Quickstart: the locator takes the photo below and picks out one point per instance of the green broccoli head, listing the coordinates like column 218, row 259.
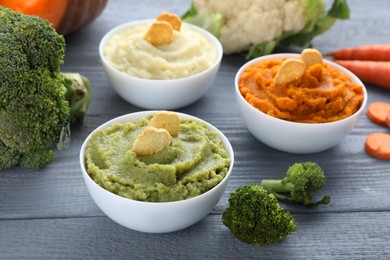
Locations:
column 37, row 159
column 302, row 179
column 305, row 178
column 34, row 108
column 8, row 157
column 254, row 216
column 41, row 46
column 33, row 119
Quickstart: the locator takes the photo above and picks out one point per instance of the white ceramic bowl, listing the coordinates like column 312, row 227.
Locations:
column 290, row 136
column 160, row 94
column 155, row 217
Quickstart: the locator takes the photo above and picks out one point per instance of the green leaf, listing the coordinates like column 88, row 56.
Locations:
column 313, row 10
column 339, row 10
column 209, row 21
column 261, row 49
column 191, row 12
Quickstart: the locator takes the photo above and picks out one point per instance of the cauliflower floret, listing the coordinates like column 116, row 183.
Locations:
column 254, row 21
column 236, row 37
column 294, row 12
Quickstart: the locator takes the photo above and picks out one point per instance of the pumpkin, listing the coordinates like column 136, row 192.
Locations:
column 65, row 16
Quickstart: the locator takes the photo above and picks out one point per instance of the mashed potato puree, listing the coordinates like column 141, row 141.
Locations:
column 194, row 163
column 190, row 53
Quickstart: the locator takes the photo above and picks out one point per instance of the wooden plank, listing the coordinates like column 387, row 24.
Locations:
column 49, row 214
column 318, row 236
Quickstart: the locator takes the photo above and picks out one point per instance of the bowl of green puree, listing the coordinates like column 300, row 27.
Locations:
column 163, row 192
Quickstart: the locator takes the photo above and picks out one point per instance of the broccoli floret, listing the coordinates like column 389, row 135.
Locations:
column 8, row 157
column 37, row 159
column 302, row 179
column 37, row 101
column 254, row 216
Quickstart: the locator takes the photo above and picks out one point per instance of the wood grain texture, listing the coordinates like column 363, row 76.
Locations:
column 99, row 237
column 48, row 214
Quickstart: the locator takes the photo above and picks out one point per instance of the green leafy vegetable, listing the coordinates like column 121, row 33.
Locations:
column 339, row 10
column 212, row 22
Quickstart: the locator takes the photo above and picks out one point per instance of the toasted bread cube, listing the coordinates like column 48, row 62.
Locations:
column 152, row 140
column 167, row 120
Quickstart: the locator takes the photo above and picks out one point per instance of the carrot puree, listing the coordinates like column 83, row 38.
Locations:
column 322, row 94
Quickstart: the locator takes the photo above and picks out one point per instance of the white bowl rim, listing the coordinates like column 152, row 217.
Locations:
column 217, row 44
column 354, row 78
column 229, row 150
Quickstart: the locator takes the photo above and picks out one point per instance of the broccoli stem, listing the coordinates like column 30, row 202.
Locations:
column 77, row 93
column 276, row 186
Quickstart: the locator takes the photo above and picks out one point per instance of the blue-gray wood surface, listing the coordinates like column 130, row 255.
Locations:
column 48, row 214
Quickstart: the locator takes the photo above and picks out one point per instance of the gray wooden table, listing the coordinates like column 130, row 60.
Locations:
column 49, row 214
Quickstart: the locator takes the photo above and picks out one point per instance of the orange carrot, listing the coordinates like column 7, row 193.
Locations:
column 373, row 72
column 378, row 145
column 373, row 52
column 51, row 10
column 378, row 111
column 388, row 118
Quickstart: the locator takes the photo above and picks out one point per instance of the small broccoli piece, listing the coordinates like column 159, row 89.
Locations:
column 302, row 179
column 254, row 216
column 37, row 101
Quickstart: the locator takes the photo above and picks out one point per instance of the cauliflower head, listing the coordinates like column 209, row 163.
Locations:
column 258, row 26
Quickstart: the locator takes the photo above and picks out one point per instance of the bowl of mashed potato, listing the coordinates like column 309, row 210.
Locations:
column 164, row 76
column 166, row 190
column 313, row 111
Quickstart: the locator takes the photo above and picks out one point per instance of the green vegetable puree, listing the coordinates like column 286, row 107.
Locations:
column 195, row 162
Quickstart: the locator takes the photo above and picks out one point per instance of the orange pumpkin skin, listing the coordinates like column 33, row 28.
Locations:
column 65, row 16
column 53, row 11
